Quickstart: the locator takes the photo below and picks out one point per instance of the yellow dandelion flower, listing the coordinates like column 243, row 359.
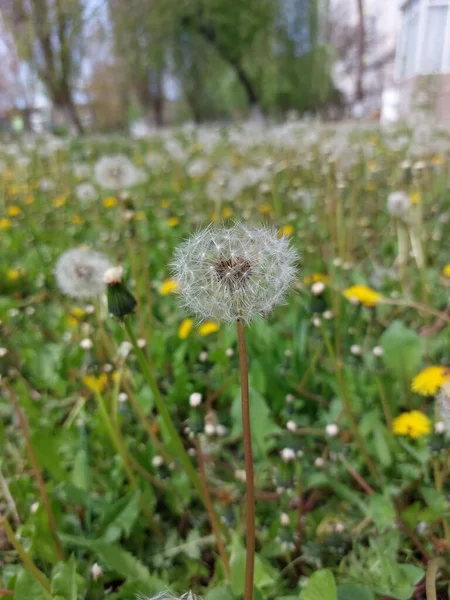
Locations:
column 109, row 202
column 13, row 274
column 227, row 213
column 208, row 327
column 138, row 159
column 29, row 199
column 165, row 203
column 116, row 376
column 286, row 230
column 14, row 210
column 5, row 223
column 265, row 209
column 430, row 380
column 214, row 217
column 315, row 277
column 168, row 286
column 415, row 198
column 77, row 220
column 96, row 384
column 185, row 328
column 437, row 159
column 173, row 221
column 13, row 189
column 72, row 322
column 139, row 215
column 363, row 295
column 59, row 201
column 415, row 424
column 77, row 312
column 446, row 270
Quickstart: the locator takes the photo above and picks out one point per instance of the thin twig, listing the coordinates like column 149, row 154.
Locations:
column 432, row 569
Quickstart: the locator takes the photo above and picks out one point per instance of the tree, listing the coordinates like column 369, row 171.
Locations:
column 48, row 36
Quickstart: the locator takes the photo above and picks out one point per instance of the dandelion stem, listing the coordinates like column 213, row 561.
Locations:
column 211, row 511
column 164, row 412
column 432, row 569
column 32, row 457
column 24, row 556
column 247, row 435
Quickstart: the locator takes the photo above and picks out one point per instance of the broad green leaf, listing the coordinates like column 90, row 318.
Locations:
column 403, row 350
column 113, row 557
column 27, row 588
column 80, row 472
column 320, row 586
column 64, row 580
column 435, row 500
column 382, row 511
column 121, row 517
column 220, row 593
column 354, row 592
column 263, row 573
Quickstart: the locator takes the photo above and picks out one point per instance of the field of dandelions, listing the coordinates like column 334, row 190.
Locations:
column 122, row 469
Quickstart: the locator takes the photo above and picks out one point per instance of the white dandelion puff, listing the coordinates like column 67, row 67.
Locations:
column 79, row 273
column 398, row 204
column 443, row 406
column 236, row 273
column 117, row 172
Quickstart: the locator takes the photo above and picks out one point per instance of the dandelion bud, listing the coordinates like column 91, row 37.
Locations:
column 96, row 572
column 157, row 461
column 287, row 455
column 195, row 399
column 291, row 426
column 120, row 301
column 332, row 430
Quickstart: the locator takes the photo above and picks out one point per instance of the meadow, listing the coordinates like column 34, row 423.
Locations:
column 122, row 467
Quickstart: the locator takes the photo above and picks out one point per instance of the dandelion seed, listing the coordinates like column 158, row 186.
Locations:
column 236, row 273
column 79, row 273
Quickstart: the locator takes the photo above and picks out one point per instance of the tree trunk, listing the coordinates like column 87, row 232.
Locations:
column 65, row 109
column 359, row 95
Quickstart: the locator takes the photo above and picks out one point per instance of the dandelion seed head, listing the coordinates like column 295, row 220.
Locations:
column 241, row 272
column 79, row 273
column 398, row 204
column 443, row 405
column 117, row 172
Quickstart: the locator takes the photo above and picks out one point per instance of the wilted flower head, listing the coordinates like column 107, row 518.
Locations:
column 236, row 273
column 79, row 273
column 398, row 204
column 117, row 172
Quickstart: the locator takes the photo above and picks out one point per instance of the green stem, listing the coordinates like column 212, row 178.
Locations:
column 24, row 557
column 164, row 412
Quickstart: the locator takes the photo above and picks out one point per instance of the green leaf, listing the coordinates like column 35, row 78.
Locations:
column 264, row 576
column 262, row 424
column 435, row 500
column 116, row 559
column 403, row 350
column 27, row 588
column 80, row 472
column 64, row 580
column 382, row 511
column 321, row 586
column 221, row 593
column 121, row 517
column 354, row 592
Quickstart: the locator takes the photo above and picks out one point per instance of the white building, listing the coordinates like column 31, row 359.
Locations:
column 423, row 56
